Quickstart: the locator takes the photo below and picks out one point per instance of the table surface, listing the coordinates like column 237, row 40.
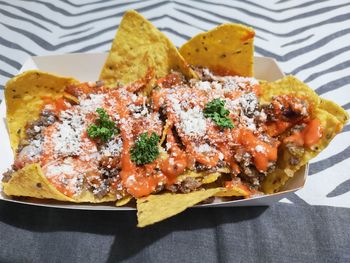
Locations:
column 309, row 39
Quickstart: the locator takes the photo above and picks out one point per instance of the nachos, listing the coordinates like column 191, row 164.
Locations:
column 167, row 128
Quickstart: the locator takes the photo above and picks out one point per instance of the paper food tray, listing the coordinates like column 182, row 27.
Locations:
column 86, row 67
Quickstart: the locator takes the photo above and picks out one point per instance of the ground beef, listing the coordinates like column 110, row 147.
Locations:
column 186, row 186
column 33, row 129
column 248, row 171
column 242, row 157
column 291, row 109
column 110, row 162
column 6, row 176
column 295, row 150
column 250, row 174
column 209, row 200
column 104, row 187
column 172, row 188
column 47, row 117
column 159, row 188
column 201, row 167
column 294, row 160
column 109, row 168
column 269, row 111
column 250, row 105
column 101, row 192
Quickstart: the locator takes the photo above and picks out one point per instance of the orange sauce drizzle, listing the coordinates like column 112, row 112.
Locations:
column 143, row 180
column 261, row 158
column 176, row 163
column 309, row 136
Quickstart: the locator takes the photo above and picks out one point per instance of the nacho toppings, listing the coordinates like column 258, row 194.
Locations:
column 120, row 142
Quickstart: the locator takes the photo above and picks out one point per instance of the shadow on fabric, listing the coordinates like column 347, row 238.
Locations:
column 121, row 224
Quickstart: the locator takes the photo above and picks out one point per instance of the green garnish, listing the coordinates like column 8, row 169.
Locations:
column 217, row 112
column 145, row 149
column 104, row 128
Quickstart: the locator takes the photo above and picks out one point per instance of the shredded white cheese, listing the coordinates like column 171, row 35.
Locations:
column 112, row 147
column 68, row 135
column 193, row 122
column 203, row 85
column 259, row 149
column 204, row 148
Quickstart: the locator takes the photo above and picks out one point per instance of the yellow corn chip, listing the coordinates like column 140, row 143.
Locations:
column 234, row 191
column 226, row 50
column 23, row 96
column 335, row 110
column 155, row 208
column 210, row 178
column 275, row 180
column 125, row 200
column 288, row 85
column 30, row 181
column 138, row 46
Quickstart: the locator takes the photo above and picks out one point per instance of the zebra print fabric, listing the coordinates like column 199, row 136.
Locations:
column 309, row 39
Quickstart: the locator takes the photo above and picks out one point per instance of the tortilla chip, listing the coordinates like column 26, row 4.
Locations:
column 226, row 50
column 155, row 208
column 125, row 200
column 330, row 127
column 138, row 46
column 331, row 116
column 202, row 177
column 23, row 96
column 88, row 197
column 30, row 181
column 189, row 173
column 210, row 178
column 335, row 110
column 288, row 85
column 276, row 179
column 236, row 190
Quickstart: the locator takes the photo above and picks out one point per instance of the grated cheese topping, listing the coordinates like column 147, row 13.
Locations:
column 204, row 148
column 193, row 122
column 76, row 161
column 113, row 147
column 68, row 135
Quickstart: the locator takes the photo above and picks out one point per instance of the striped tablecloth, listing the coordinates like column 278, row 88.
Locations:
column 310, row 39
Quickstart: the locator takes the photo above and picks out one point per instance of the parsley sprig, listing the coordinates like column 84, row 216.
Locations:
column 145, row 149
column 103, row 128
column 217, row 112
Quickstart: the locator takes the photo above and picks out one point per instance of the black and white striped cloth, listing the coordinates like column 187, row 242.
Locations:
column 310, row 39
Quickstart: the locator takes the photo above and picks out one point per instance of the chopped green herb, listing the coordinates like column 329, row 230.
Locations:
column 217, row 112
column 103, row 128
column 145, row 149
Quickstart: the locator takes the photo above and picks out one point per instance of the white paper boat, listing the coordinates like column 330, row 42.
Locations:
column 86, row 67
